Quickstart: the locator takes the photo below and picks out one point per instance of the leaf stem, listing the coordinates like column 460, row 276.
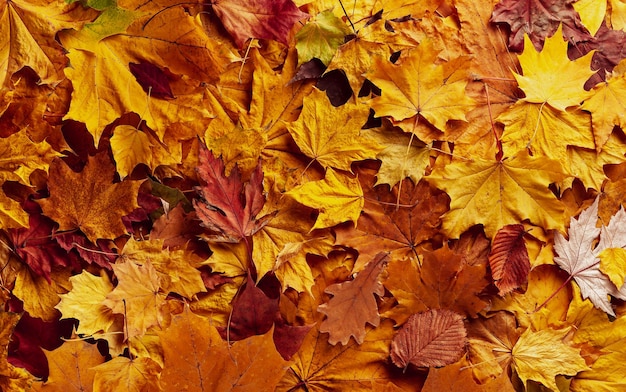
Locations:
column 346, row 14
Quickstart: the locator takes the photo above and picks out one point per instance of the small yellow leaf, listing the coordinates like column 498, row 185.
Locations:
column 613, row 265
column 338, row 198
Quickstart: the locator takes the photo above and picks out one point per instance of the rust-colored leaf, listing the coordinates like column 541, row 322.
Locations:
column 433, row 338
column 509, row 258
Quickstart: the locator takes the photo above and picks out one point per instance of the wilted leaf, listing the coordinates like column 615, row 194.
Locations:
column 431, row 339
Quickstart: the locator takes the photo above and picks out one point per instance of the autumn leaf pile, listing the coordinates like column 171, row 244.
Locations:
column 317, row 195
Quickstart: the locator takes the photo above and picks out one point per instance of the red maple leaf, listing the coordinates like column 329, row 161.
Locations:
column 227, row 206
column 539, row 19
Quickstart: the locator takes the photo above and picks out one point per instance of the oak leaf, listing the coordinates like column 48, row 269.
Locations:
column 138, row 297
column 126, row 375
column 508, row 258
column 542, row 355
column 258, row 19
column 434, row 338
column 338, row 197
column 353, row 304
column 197, row 359
column 331, row 135
column 550, row 77
column 539, row 19
column 227, row 206
column 518, row 185
column 416, row 86
column 95, row 210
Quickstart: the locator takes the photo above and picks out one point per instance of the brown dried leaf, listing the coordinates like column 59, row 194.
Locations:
column 433, row 338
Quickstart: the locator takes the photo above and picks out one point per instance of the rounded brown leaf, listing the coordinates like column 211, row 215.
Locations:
column 433, row 338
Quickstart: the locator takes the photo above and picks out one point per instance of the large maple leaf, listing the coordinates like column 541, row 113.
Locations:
column 197, row 359
column 517, row 186
column 418, row 86
column 549, row 76
column 539, row 19
column 263, row 19
column 331, row 135
column 97, row 209
column 383, row 227
column 227, row 206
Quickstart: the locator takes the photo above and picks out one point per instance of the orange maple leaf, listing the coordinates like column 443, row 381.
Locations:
column 97, row 209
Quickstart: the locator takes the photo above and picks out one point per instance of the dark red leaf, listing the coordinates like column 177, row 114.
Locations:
column 227, row 206
column 509, row 258
column 253, row 313
column 99, row 253
column 289, row 338
column 152, row 80
column 36, row 247
column 539, row 19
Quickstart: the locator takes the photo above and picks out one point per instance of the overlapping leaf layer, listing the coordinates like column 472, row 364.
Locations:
column 318, row 195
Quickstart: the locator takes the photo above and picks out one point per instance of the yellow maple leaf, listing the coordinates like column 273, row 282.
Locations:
column 84, row 303
column 338, row 198
column 418, row 86
column 127, row 375
column 550, row 77
column 138, row 297
column 95, row 59
column 607, row 373
column 495, row 194
column 198, row 359
column 606, row 105
column 39, row 295
column 544, row 130
column 131, row 147
column 28, row 38
column 542, row 355
column 176, row 274
column 20, row 158
column 331, row 135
